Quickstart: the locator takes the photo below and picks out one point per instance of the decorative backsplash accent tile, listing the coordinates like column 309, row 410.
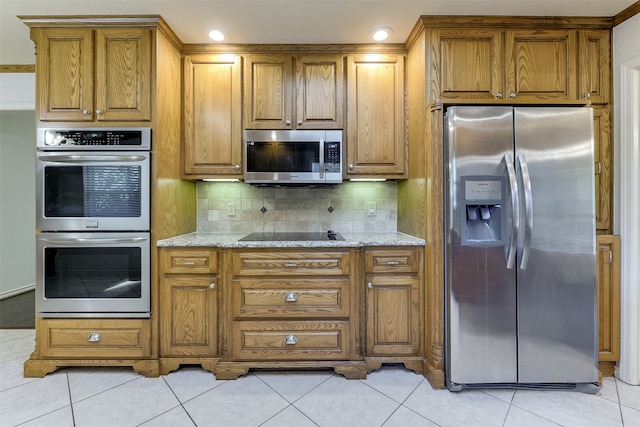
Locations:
column 343, row 208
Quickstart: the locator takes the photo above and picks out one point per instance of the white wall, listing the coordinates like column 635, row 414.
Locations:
column 626, row 67
column 17, row 203
column 17, row 182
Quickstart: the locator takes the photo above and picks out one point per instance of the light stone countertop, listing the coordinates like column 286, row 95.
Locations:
column 230, row 240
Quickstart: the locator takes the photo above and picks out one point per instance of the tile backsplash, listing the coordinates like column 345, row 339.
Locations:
column 240, row 207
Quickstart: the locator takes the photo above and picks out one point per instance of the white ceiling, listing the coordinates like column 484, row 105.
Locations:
column 281, row 21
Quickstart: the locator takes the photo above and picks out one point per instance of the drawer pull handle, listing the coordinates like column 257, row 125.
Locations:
column 94, row 337
column 290, row 264
column 393, row 262
column 291, row 297
column 188, row 263
column 291, row 340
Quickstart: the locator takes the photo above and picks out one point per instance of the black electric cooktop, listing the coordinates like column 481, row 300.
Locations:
column 289, row 236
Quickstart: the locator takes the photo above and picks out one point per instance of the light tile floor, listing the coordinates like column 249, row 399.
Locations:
column 391, row 396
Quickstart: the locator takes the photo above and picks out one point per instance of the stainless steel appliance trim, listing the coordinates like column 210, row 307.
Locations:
column 528, row 210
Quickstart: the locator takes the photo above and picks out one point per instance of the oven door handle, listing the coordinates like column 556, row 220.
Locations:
column 76, row 158
column 94, row 239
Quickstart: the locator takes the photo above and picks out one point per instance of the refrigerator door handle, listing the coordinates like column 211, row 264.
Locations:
column 513, row 186
column 528, row 210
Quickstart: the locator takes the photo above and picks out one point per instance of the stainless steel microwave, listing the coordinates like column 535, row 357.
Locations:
column 291, row 157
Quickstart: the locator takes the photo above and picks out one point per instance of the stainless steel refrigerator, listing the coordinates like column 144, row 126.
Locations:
column 520, row 248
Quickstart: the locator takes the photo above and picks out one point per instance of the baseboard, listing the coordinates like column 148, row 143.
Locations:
column 19, row 291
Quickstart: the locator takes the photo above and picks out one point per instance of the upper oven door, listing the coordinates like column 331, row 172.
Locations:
column 80, row 191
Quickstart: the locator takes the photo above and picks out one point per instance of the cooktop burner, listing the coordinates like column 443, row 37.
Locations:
column 288, row 236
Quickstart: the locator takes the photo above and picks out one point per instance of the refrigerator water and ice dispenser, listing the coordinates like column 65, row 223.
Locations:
column 481, row 200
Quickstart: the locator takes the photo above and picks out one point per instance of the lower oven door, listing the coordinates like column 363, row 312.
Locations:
column 93, row 275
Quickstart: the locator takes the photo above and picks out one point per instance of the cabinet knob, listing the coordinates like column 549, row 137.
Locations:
column 287, row 122
column 499, row 95
column 512, row 95
column 291, row 297
column 212, row 286
column 291, row 340
column 586, row 95
column 237, row 167
column 94, row 337
column 85, row 112
column 299, row 122
column 99, row 112
column 370, row 285
column 351, row 166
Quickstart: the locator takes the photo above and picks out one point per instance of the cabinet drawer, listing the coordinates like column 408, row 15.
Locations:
column 396, row 261
column 291, row 263
column 94, row 338
column 301, row 340
column 190, row 261
column 327, row 297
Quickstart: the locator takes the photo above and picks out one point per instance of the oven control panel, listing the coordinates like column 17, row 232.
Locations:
column 95, row 139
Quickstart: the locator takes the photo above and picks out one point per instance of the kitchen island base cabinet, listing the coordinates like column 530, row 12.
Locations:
column 91, row 342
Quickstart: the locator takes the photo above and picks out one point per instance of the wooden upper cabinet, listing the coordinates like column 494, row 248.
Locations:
column 471, row 63
column 594, row 67
column 287, row 92
column 375, row 105
column 319, row 92
column 94, row 75
column 541, row 65
column 212, row 90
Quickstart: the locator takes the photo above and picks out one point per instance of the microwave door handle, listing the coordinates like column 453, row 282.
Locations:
column 321, row 166
column 74, row 158
column 94, row 240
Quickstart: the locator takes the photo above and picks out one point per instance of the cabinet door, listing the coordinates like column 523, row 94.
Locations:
column 541, row 65
column 375, row 105
column 608, row 280
column 469, row 64
column 64, row 75
column 212, row 143
column 189, row 316
column 603, row 154
column 268, row 86
column 123, row 74
column 319, row 92
column 393, row 315
column 594, row 52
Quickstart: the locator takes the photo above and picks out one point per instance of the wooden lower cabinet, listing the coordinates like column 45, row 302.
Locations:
column 393, row 307
column 188, row 308
column 608, row 284
column 91, row 342
column 236, row 309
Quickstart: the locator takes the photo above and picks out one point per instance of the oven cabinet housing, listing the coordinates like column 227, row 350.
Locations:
column 294, row 92
column 376, row 143
column 91, row 342
column 93, row 75
column 212, row 117
column 292, row 309
column 393, row 295
column 188, row 308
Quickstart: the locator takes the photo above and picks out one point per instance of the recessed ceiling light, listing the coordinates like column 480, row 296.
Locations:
column 216, row 35
column 380, row 34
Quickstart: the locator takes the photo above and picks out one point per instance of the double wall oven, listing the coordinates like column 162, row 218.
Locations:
column 93, row 222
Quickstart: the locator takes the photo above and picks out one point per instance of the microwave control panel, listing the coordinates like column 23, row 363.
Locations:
column 332, row 160
column 97, row 138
